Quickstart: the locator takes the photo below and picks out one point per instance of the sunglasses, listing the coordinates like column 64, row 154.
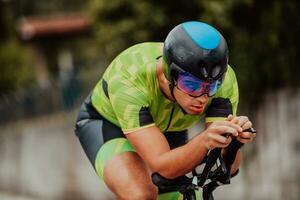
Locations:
column 195, row 87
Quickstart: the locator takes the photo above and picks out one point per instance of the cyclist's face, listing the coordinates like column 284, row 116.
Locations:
column 191, row 105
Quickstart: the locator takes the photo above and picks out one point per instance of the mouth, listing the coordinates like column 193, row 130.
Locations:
column 198, row 106
column 197, row 109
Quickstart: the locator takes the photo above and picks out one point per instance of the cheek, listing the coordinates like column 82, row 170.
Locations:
column 182, row 102
column 183, row 99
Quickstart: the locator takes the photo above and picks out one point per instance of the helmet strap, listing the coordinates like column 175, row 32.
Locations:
column 172, row 86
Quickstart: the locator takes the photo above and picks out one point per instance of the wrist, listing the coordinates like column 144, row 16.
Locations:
column 203, row 141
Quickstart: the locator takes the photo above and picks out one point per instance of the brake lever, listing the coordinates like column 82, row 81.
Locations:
column 251, row 130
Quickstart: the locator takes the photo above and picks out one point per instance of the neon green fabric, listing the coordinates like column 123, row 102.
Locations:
column 117, row 146
column 176, row 196
column 133, row 89
column 129, row 88
column 109, row 150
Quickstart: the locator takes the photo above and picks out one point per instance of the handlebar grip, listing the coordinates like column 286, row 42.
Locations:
column 170, row 184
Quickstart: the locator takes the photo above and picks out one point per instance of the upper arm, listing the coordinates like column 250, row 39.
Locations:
column 130, row 106
column 149, row 143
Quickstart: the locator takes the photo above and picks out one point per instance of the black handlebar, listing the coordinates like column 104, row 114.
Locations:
column 221, row 175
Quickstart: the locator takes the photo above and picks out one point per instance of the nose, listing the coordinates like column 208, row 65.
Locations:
column 203, row 98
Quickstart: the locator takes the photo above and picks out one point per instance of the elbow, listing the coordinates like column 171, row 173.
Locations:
column 166, row 168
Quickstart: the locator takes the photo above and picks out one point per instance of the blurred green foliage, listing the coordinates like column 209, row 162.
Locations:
column 16, row 66
column 121, row 23
column 46, row 7
column 264, row 41
column 263, row 36
column 17, row 70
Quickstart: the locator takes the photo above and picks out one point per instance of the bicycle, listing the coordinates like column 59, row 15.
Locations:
column 220, row 176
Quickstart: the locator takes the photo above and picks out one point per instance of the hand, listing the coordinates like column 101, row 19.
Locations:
column 214, row 135
column 245, row 123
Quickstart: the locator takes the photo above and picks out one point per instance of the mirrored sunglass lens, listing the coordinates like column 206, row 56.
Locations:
column 214, row 87
column 189, row 84
column 196, row 87
column 212, row 90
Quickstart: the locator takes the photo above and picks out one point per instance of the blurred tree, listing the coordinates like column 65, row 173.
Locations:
column 45, row 7
column 121, row 23
column 16, row 69
column 15, row 64
column 6, row 21
column 263, row 36
column 264, row 45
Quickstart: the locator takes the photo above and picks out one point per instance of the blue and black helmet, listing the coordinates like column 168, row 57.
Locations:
column 197, row 48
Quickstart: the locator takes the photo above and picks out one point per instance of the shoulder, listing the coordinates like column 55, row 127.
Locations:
column 229, row 82
column 230, row 75
column 134, row 58
column 134, row 66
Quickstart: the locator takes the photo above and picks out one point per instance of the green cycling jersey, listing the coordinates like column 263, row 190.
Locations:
column 129, row 96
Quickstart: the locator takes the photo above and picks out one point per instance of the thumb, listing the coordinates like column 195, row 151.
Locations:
column 230, row 117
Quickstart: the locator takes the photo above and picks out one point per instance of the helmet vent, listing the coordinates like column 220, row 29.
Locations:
column 216, row 71
column 196, row 48
column 204, row 72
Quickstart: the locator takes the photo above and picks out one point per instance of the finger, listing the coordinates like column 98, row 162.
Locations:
column 244, row 141
column 242, row 120
column 215, row 144
column 247, row 135
column 220, row 145
column 234, row 124
column 220, row 130
column 235, row 120
column 244, row 135
column 247, row 125
column 229, row 124
column 219, row 138
column 230, row 117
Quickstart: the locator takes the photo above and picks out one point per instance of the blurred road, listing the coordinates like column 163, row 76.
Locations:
column 42, row 158
column 7, row 196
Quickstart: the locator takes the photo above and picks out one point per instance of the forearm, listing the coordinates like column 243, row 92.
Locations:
column 181, row 160
column 236, row 164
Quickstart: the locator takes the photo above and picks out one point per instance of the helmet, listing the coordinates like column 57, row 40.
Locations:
column 196, row 48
